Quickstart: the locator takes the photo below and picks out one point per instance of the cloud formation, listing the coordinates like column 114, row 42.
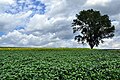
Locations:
column 43, row 23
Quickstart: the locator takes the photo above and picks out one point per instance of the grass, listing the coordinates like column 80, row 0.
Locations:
column 59, row 64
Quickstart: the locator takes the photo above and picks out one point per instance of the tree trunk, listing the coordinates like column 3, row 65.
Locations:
column 91, row 45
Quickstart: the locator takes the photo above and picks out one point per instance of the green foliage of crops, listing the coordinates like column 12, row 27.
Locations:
column 59, row 64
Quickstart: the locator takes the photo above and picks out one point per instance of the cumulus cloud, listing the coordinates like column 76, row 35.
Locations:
column 63, row 7
column 110, row 7
column 21, row 39
column 9, row 22
column 6, row 2
column 97, row 2
column 38, row 22
column 57, row 19
column 61, row 26
column 48, row 23
column 16, row 39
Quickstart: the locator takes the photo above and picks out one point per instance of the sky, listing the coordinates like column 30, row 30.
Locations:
column 47, row 23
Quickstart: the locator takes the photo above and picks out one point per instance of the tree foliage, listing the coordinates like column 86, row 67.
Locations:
column 93, row 27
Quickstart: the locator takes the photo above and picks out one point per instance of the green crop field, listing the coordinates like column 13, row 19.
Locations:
column 59, row 64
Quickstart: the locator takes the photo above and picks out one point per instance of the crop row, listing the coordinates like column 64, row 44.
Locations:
column 60, row 65
column 41, row 49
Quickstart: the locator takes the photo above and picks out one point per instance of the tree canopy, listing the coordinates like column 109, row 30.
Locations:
column 93, row 27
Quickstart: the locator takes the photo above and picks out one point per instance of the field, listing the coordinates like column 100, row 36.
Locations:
column 59, row 64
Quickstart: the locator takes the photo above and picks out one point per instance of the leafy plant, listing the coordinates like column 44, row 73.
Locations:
column 59, row 64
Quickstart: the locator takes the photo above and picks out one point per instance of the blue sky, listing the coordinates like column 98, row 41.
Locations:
column 25, row 5
column 47, row 23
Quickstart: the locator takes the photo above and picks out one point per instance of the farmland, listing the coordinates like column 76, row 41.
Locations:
column 59, row 64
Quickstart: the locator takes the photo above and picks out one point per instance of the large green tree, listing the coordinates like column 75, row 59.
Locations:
column 93, row 27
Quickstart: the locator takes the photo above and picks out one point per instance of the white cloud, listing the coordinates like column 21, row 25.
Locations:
column 6, row 2
column 63, row 7
column 116, row 22
column 97, row 2
column 53, row 29
column 113, row 43
column 8, row 22
column 17, row 38
column 38, row 22
column 60, row 26
column 110, row 7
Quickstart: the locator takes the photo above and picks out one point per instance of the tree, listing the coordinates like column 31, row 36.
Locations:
column 93, row 27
